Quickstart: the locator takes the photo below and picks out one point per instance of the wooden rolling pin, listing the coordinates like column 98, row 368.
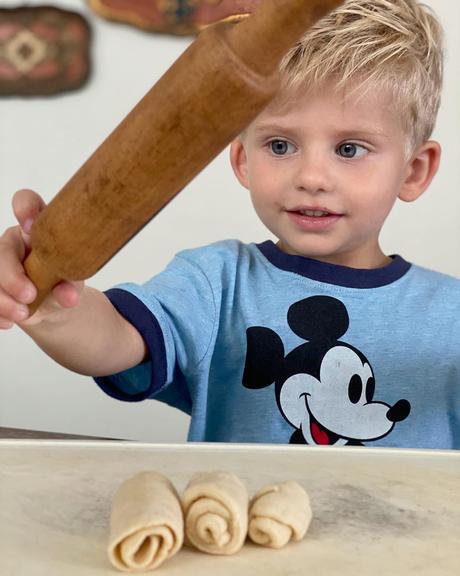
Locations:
column 207, row 97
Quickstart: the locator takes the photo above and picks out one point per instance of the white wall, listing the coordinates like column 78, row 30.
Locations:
column 42, row 143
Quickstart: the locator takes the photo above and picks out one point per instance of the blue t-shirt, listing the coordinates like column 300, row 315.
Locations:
column 262, row 346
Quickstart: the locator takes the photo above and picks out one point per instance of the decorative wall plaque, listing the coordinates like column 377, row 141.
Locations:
column 43, row 50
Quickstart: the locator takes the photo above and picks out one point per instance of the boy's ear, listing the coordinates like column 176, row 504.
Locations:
column 421, row 170
column 239, row 161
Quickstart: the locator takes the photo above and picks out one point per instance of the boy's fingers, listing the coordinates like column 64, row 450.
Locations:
column 11, row 242
column 64, row 295
column 67, row 294
column 5, row 324
column 13, row 280
column 10, row 310
column 27, row 205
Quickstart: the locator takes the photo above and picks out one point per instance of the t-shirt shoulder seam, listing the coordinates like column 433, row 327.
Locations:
column 195, row 265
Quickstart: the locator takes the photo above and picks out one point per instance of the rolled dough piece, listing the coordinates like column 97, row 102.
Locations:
column 279, row 513
column 147, row 524
column 216, row 512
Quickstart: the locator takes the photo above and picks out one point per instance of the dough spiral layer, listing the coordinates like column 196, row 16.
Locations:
column 279, row 513
column 147, row 525
column 216, row 512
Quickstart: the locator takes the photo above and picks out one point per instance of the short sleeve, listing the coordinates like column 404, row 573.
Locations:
column 175, row 313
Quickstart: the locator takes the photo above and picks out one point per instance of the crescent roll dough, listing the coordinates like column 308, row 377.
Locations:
column 216, row 512
column 279, row 513
column 147, row 525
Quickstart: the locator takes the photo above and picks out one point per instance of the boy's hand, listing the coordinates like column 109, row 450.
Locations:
column 16, row 289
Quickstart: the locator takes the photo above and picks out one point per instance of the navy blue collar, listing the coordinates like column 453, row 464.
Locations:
column 333, row 273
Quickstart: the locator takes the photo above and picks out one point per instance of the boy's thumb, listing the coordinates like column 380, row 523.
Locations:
column 27, row 205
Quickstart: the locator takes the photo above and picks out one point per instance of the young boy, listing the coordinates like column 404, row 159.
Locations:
column 320, row 338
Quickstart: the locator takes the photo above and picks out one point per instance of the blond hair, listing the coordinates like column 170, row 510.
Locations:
column 394, row 45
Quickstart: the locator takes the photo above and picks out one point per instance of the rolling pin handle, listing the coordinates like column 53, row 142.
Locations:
column 44, row 281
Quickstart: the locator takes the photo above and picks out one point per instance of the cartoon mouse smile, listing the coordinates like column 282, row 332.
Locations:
column 324, row 388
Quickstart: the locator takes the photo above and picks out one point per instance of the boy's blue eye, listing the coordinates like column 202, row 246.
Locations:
column 351, row 150
column 280, row 147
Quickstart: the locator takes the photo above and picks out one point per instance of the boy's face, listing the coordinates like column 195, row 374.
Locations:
column 325, row 171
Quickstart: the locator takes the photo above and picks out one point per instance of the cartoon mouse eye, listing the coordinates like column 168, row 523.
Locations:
column 355, row 388
column 370, row 389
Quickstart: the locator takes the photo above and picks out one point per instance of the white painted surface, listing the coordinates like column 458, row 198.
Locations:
column 43, row 141
column 386, row 512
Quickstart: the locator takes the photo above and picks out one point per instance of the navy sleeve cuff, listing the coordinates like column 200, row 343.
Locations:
column 147, row 378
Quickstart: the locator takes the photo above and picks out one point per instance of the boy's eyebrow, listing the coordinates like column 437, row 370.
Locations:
column 361, row 131
column 270, row 127
column 274, row 128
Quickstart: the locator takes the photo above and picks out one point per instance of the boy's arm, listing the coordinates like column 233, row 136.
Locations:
column 76, row 325
column 91, row 339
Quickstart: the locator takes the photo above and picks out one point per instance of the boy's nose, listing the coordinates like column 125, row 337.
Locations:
column 312, row 174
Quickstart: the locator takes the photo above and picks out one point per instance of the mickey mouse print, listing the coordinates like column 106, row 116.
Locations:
column 324, row 388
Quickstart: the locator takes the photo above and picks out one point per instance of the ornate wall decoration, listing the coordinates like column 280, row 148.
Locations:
column 43, row 50
column 183, row 17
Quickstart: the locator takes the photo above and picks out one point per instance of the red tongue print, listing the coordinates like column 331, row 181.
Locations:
column 319, row 436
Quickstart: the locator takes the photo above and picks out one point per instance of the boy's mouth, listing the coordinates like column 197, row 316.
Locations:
column 313, row 211
column 315, row 217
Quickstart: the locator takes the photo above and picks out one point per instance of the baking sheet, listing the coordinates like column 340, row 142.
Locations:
column 378, row 511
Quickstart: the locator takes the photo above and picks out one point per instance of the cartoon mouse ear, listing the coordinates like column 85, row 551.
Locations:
column 318, row 318
column 264, row 357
